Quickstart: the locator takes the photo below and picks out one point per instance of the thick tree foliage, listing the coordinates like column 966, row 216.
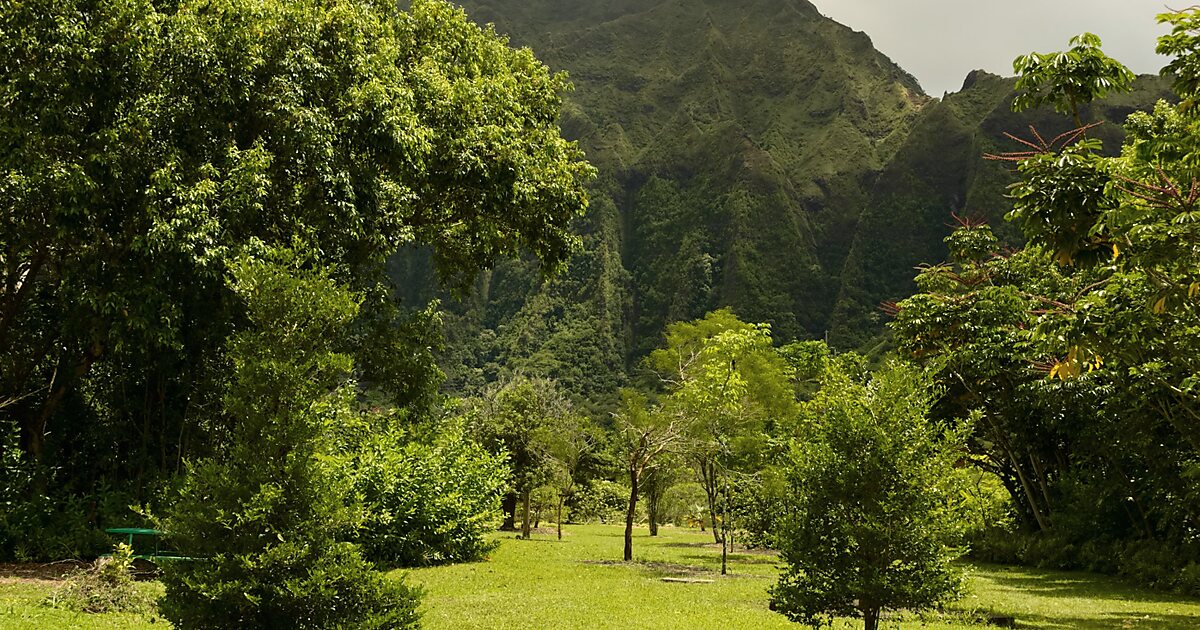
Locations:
column 1080, row 351
column 870, row 520
column 148, row 145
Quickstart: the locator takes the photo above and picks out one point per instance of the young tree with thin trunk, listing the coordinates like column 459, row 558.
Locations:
column 730, row 383
column 646, row 435
column 657, row 482
column 573, row 440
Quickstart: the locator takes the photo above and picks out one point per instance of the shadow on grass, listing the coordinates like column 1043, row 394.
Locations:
column 1079, row 586
column 1111, row 621
column 657, row 569
column 691, row 545
column 1096, row 604
column 734, row 558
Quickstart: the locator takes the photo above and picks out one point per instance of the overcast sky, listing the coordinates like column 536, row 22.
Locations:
column 940, row 41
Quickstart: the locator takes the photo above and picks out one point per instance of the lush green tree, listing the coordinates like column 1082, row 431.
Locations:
column 1079, row 352
column 266, row 520
column 149, row 145
column 517, row 420
column 1069, row 79
column 870, row 520
column 726, row 378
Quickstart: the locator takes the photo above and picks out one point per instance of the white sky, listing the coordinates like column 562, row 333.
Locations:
column 940, row 41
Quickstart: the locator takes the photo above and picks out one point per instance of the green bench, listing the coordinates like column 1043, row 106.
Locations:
column 156, row 554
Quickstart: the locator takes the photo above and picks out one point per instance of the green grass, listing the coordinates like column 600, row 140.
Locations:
column 576, row 583
column 543, row 583
column 21, row 608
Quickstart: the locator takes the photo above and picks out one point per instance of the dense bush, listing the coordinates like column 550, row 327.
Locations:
column 54, row 524
column 427, row 503
column 267, row 518
column 684, row 505
column 756, row 506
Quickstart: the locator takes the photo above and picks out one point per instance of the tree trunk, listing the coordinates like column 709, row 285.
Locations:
column 509, row 505
column 33, row 428
column 1040, row 471
column 708, row 479
column 652, row 497
column 629, row 514
column 726, row 539
column 870, row 619
column 525, row 531
column 558, row 519
column 1030, row 495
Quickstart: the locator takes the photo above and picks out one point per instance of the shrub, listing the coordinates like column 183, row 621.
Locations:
column 427, row 504
column 684, row 504
column 871, row 519
column 757, row 505
column 54, row 524
column 267, row 517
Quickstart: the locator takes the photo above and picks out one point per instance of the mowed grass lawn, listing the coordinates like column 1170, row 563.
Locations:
column 580, row 583
column 577, row 583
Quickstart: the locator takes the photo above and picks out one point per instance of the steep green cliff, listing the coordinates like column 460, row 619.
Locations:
column 752, row 154
column 940, row 172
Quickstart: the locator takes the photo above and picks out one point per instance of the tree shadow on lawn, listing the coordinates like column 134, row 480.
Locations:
column 1098, row 596
column 659, row 569
column 1078, row 586
column 1111, row 621
column 734, row 558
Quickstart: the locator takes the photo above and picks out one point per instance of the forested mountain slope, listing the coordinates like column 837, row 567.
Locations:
column 941, row 172
column 740, row 146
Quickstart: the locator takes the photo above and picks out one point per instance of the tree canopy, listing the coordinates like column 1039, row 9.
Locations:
column 149, row 145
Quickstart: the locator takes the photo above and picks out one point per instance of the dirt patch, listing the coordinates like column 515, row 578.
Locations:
column 38, row 571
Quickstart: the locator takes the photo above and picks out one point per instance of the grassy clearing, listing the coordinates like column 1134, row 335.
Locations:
column 543, row 583
column 577, row 583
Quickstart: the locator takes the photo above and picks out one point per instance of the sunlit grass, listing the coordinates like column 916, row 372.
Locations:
column 580, row 583
column 576, row 583
column 22, row 607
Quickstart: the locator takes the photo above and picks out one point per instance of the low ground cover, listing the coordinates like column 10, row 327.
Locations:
column 580, row 583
